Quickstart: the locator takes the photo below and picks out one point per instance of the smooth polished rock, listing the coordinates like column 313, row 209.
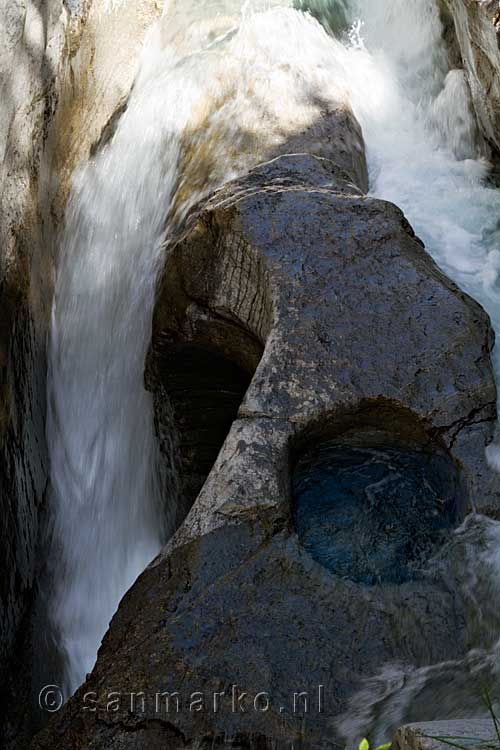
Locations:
column 363, row 338
column 438, row 735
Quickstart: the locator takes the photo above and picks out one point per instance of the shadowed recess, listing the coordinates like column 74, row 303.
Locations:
column 205, row 388
column 371, row 510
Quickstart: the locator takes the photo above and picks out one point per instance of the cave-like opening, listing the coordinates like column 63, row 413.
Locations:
column 205, row 388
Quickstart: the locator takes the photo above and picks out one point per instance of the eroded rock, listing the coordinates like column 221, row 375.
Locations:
column 362, row 334
column 104, row 40
column 31, row 53
column 62, row 76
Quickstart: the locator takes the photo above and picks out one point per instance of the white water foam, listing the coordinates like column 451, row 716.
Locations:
column 422, row 143
column 220, row 85
column 425, row 154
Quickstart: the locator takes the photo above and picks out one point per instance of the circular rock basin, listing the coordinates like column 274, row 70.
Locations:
column 372, row 514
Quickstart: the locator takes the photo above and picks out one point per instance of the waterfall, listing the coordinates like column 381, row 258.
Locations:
column 204, row 108
column 110, row 515
column 221, row 85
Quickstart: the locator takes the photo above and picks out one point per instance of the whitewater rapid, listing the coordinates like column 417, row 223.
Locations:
column 426, row 155
column 215, row 78
column 424, row 151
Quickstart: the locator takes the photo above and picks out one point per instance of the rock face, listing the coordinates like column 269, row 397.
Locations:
column 103, row 39
column 59, row 86
column 348, row 333
column 31, row 53
column 432, row 735
column 477, row 24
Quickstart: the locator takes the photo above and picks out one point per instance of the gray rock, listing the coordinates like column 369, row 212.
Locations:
column 437, row 735
column 364, row 341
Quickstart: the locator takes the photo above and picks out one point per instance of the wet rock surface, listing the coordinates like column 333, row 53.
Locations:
column 374, row 514
column 361, row 332
column 52, row 74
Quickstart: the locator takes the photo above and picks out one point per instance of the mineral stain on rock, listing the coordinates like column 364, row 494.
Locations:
column 373, row 514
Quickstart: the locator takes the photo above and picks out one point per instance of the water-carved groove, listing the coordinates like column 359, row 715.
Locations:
column 203, row 353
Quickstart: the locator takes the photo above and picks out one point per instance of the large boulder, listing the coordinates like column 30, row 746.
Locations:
column 351, row 339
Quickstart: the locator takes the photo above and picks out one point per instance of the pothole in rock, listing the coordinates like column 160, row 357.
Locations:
column 373, row 513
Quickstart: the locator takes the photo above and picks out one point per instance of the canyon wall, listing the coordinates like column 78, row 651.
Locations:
column 477, row 25
column 64, row 71
column 32, row 44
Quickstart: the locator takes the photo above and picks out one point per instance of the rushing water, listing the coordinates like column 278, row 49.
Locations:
column 422, row 143
column 109, row 514
column 402, row 693
column 425, row 155
column 221, row 85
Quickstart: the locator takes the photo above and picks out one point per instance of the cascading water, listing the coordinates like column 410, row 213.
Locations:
column 203, row 109
column 422, row 141
column 109, row 514
column 221, row 85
